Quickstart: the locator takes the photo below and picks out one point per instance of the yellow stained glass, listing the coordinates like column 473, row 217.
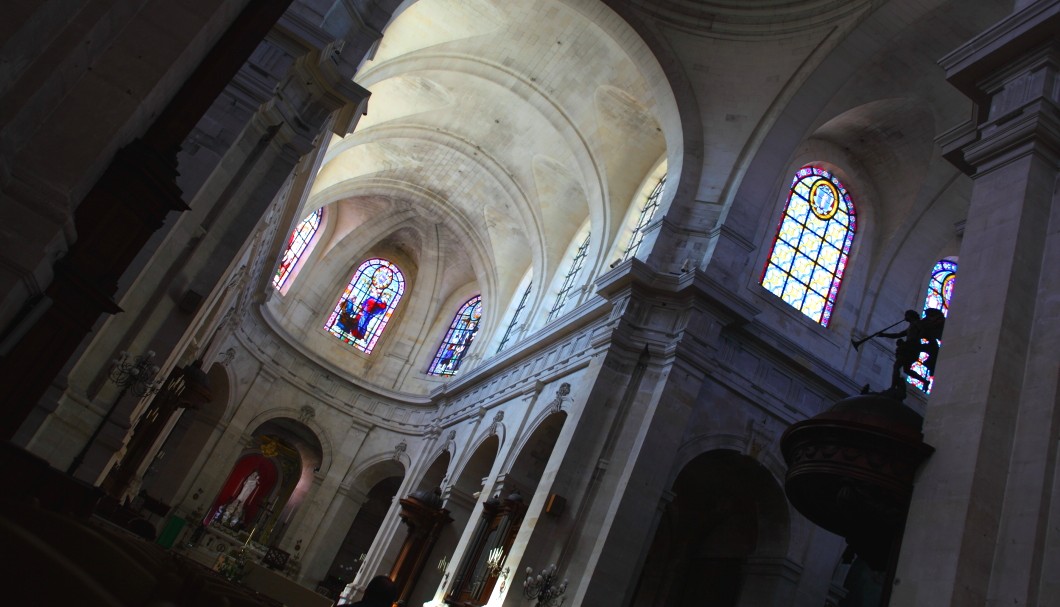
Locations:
column 821, row 238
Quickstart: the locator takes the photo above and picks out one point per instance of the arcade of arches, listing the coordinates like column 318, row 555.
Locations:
column 450, row 290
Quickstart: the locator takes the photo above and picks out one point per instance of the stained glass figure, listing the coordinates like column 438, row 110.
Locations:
column 568, row 280
column 939, row 293
column 367, row 304
column 812, row 244
column 647, row 212
column 458, row 339
column 515, row 317
column 296, row 246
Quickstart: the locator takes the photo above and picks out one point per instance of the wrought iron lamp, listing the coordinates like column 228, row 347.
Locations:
column 131, row 373
column 544, row 587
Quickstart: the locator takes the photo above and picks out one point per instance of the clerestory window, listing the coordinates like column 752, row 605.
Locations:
column 297, row 244
column 515, row 317
column 812, row 243
column 365, row 307
column 939, row 294
column 568, row 281
column 647, row 213
column 458, row 339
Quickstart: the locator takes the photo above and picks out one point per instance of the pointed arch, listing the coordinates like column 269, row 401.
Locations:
column 458, row 339
column 812, row 243
column 365, row 307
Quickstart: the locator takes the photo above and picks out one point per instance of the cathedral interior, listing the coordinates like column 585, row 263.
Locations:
column 531, row 302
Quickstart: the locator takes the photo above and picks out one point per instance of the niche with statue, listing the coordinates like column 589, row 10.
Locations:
column 261, row 493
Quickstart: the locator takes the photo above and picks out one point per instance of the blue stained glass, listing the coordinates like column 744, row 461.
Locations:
column 365, row 307
column 297, row 243
column 810, row 245
column 800, row 213
column 458, row 339
column 939, row 294
column 818, row 221
column 774, row 280
column 783, row 255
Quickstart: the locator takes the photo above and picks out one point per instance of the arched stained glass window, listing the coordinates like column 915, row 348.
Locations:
column 813, row 241
column 458, row 339
column 367, row 304
column 296, row 246
column 647, row 212
column 939, row 293
column 568, row 281
column 515, row 317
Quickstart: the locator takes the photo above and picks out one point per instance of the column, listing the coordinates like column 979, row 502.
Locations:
column 979, row 527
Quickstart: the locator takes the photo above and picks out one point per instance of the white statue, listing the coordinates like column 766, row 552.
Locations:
column 234, row 509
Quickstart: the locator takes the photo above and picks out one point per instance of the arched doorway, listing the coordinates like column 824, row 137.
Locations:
column 431, row 575
column 359, row 537
column 727, row 512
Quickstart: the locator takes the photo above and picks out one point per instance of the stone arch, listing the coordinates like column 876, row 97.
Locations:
column 436, row 473
column 477, row 451
column 769, row 457
column 299, row 417
column 724, row 533
column 361, row 511
column 536, row 444
column 377, row 468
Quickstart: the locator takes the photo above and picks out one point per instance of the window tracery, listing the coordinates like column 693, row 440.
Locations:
column 812, row 244
column 365, row 307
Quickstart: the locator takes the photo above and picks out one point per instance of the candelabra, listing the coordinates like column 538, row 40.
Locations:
column 544, row 587
column 493, row 566
column 493, row 562
column 136, row 375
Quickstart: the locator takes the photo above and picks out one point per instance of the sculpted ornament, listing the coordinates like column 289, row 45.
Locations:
column 562, row 397
column 496, row 420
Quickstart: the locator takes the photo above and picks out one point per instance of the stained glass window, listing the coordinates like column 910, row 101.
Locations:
column 458, row 339
column 296, row 246
column 813, row 241
column 647, row 212
column 367, row 304
column 939, row 293
column 515, row 317
column 568, row 280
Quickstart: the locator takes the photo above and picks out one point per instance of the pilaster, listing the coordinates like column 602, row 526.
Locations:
column 977, row 528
